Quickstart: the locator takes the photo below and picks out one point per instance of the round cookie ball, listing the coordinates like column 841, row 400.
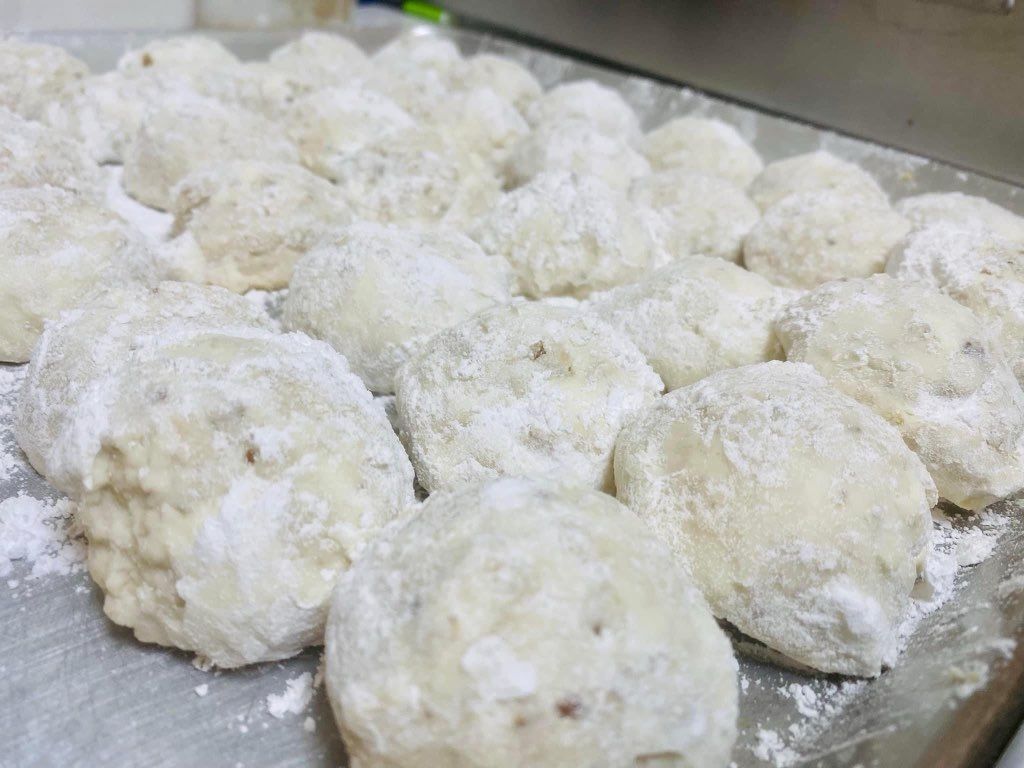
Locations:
column 589, row 101
column 95, row 338
column 509, row 79
column 928, row 366
column 329, row 126
column 105, row 111
column 569, row 234
column 696, row 316
column 196, row 133
column 181, row 53
column 34, row 155
column 376, row 293
column 251, row 220
column 33, row 75
column 417, row 176
column 416, row 71
column 957, row 207
column 818, row 171
column 799, row 513
column 517, row 623
column 704, row 215
column 524, row 389
column 809, row 238
column 482, row 122
column 420, row 48
column 579, row 147
column 55, row 247
column 321, row 59
column 975, row 267
column 704, row 145
column 236, row 477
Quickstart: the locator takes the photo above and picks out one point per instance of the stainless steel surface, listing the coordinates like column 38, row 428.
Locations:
column 78, row 691
column 944, row 79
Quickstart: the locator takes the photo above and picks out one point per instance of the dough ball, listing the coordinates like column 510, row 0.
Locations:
column 524, row 389
column 416, row 71
column 321, row 59
column 376, row 293
column 569, row 234
column 32, row 75
column 55, row 247
column 105, row 111
column 509, row 79
column 416, row 176
column 589, row 101
column 331, row 125
column 809, row 238
column 696, row 316
column 813, row 172
column 261, row 87
column 975, row 267
column 251, row 220
column 181, row 53
column 95, row 338
column 800, row 514
column 419, row 48
column 957, row 207
column 928, row 366
column 522, row 623
column 34, row 155
column 481, row 122
column 705, row 145
column 704, row 215
column 236, row 476
column 196, row 133
column 579, row 147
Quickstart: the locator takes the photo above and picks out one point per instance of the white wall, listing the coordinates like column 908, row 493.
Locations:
column 166, row 14
column 96, row 14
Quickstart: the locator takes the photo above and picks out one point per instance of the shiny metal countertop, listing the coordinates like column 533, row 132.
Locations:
column 79, row 691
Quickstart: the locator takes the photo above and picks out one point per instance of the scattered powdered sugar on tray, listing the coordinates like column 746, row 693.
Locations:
column 11, row 377
column 296, row 697
column 958, row 542
column 41, row 534
column 155, row 225
column 771, row 748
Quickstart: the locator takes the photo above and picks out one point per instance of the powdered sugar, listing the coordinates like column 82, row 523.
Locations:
column 703, row 145
column 33, row 155
column 587, row 100
column 41, row 534
column 523, row 389
column 818, row 703
column 929, row 366
column 153, row 224
column 808, row 238
column 569, row 234
column 11, row 378
column 959, row 208
column 975, row 267
column 696, row 316
column 294, row 700
column 577, row 146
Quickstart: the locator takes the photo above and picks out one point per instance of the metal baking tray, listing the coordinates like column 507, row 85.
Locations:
column 80, row 691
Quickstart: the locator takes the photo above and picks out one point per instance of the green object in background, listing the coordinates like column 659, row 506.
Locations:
column 426, row 11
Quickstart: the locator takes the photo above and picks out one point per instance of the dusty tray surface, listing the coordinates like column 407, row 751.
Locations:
column 79, row 691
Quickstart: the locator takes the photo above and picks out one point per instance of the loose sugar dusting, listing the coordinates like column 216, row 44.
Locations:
column 957, row 542
column 40, row 534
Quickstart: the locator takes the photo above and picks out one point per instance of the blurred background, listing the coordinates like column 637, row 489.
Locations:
column 168, row 14
column 942, row 78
